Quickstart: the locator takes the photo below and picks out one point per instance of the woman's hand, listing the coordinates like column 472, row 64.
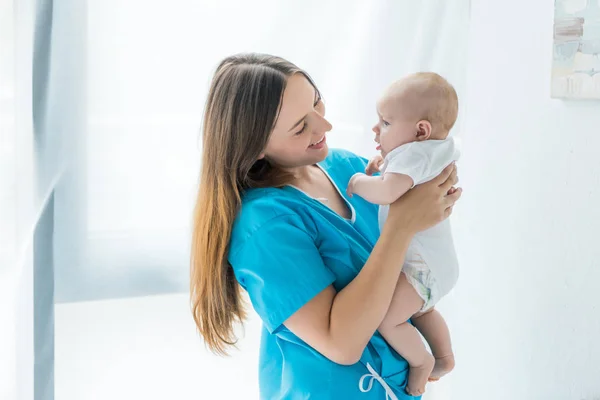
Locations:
column 427, row 204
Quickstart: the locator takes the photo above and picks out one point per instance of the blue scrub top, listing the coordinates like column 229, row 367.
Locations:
column 287, row 247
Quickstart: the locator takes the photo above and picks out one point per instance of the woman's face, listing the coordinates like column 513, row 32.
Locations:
column 298, row 138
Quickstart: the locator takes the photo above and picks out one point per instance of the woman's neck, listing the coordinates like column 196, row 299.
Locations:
column 304, row 175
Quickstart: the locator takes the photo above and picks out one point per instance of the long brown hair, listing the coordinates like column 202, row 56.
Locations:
column 240, row 112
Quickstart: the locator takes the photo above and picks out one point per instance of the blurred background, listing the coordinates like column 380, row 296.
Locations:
column 100, row 115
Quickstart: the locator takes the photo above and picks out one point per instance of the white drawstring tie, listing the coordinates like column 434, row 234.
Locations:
column 389, row 394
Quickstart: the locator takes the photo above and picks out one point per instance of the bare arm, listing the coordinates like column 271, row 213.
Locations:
column 380, row 189
column 340, row 324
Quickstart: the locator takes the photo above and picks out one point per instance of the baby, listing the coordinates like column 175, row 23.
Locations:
column 416, row 114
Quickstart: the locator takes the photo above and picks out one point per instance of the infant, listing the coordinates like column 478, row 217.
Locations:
column 416, row 114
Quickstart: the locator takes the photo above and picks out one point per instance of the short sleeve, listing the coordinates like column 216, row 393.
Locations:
column 423, row 161
column 411, row 162
column 280, row 267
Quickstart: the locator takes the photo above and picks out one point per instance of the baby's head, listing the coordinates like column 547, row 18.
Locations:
column 419, row 107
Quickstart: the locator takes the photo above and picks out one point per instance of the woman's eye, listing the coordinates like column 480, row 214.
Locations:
column 301, row 130
column 318, row 104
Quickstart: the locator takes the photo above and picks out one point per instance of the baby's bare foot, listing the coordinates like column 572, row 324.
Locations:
column 443, row 365
column 417, row 376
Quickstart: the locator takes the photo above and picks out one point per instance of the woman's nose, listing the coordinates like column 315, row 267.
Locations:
column 323, row 125
column 328, row 125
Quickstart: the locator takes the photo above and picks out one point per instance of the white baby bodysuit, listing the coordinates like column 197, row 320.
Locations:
column 431, row 264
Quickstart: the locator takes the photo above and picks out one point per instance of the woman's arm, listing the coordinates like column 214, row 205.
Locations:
column 339, row 325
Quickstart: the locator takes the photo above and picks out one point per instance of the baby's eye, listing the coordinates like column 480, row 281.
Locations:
column 385, row 123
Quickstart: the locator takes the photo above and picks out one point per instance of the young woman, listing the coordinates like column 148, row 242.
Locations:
column 272, row 218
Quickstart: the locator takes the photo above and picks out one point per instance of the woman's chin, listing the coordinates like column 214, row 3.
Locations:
column 319, row 154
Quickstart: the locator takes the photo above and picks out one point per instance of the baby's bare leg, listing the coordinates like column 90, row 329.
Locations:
column 404, row 338
column 432, row 326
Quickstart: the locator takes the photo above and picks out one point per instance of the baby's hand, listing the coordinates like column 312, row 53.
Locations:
column 374, row 165
column 350, row 188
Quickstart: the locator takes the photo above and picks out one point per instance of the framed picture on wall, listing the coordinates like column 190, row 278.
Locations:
column 576, row 56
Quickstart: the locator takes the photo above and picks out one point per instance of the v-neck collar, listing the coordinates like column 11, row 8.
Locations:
column 319, row 201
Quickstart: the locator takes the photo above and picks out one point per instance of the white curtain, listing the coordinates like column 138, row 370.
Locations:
column 125, row 93
column 39, row 97
column 148, row 67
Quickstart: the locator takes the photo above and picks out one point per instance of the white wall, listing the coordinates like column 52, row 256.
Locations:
column 526, row 313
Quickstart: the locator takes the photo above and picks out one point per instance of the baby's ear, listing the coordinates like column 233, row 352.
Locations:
column 423, row 129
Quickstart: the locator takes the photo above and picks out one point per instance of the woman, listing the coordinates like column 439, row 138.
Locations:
column 271, row 214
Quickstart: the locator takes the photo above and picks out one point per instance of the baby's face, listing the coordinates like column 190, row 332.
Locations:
column 393, row 128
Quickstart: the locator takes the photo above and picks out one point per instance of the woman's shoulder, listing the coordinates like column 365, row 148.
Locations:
column 263, row 207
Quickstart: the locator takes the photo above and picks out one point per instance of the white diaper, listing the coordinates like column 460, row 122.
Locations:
column 422, row 280
column 430, row 264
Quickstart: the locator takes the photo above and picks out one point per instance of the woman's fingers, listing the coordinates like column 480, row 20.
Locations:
column 448, row 212
column 450, row 199
column 444, row 175
column 450, row 181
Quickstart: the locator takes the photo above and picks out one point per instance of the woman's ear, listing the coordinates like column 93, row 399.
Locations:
column 423, row 130
column 261, row 156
